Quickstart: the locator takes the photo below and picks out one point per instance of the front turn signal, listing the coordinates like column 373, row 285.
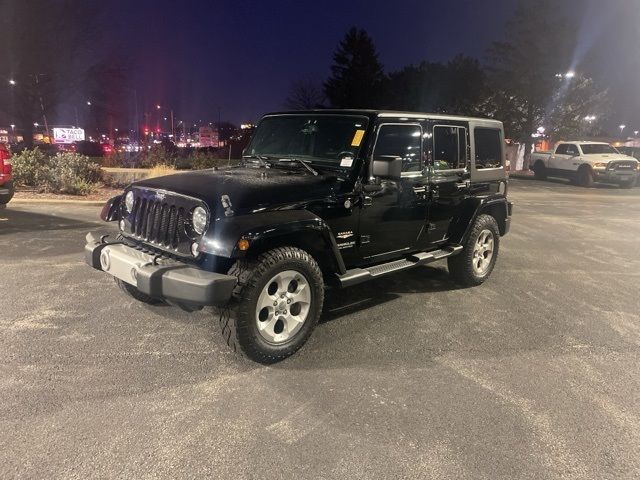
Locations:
column 243, row 244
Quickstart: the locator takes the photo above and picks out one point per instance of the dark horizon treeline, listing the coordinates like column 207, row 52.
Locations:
column 517, row 81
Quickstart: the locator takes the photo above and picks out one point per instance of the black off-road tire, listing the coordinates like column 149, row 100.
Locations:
column 6, row 198
column 238, row 318
column 585, row 177
column 137, row 294
column 539, row 171
column 461, row 265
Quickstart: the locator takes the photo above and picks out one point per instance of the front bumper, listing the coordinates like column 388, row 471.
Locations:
column 158, row 277
column 615, row 176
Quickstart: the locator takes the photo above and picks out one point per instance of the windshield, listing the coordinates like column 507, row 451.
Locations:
column 330, row 139
column 597, row 148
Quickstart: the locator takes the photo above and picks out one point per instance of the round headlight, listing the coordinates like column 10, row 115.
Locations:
column 199, row 220
column 128, row 201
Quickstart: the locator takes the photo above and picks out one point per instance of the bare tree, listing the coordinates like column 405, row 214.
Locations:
column 305, row 94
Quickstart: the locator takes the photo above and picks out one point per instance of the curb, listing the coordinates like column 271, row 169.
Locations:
column 525, row 176
column 57, row 201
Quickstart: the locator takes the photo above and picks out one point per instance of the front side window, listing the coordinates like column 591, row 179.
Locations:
column 562, row 149
column 324, row 138
column 449, row 147
column 402, row 141
column 488, row 146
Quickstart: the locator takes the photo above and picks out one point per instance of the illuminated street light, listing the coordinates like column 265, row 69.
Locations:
column 590, row 118
column 622, row 127
column 635, row 132
column 89, row 102
column 12, row 82
column 36, row 124
column 570, row 74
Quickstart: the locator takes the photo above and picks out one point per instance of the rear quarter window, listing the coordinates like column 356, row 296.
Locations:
column 488, row 148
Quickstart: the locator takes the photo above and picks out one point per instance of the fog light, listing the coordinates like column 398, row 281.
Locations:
column 105, row 261
column 121, row 224
column 194, row 249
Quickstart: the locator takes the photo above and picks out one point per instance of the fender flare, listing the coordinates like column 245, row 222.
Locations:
column 110, row 209
column 497, row 205
column 259, row 228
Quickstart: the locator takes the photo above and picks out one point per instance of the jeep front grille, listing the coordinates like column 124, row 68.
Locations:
column 161, row 220
column 158, row 222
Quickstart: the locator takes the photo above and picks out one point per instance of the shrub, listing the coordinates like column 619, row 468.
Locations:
column 202, row 160
column 62, row 173
column 157, row 155
column 161, row 170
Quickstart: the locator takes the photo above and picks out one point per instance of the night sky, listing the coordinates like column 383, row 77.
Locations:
column 241, row 56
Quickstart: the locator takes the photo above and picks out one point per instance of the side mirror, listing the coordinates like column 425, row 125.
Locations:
column 386, row 167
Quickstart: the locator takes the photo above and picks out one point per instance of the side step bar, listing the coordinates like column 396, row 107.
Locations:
column 359, row 275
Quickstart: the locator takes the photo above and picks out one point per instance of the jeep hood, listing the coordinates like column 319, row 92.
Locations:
column 248, row 188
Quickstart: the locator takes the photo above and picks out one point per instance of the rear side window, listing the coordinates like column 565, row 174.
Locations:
column 488, row 147
column 572, row 149
column 449, row 147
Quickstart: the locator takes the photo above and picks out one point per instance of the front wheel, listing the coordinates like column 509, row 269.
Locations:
column 275, row 305
column 479, row 254
column 136, row 294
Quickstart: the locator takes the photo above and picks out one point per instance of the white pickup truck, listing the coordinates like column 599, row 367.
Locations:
column 586, row 163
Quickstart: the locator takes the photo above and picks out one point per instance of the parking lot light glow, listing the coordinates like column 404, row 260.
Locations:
column 570, row 74
column 12, row 82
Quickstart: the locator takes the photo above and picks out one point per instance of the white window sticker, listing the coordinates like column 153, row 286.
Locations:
column 346, row 162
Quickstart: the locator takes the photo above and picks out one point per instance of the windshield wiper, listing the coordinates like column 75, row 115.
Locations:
column 301, row 162
column 264, row 161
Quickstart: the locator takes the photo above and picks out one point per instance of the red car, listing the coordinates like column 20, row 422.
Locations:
column 6, row 183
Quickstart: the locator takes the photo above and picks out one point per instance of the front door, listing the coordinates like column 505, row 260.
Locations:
column 393, row 217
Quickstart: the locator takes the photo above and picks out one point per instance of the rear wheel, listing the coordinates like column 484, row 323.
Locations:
column 474, row 265
column 585, row 177
column 275, row 305
column 539, row 171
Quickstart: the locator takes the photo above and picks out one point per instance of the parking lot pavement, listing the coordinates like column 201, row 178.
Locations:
column 535, row 374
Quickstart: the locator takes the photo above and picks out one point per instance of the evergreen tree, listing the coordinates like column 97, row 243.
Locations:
column 356, row 74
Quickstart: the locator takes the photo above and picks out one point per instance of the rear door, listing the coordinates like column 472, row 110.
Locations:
column 448, row 158
column 564, row 158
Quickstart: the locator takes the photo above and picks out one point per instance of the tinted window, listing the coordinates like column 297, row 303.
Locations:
column 562, row 149
column 572, row 149
column 488, row 147
column 402, row 141
column 449, row 147
column 597, row 148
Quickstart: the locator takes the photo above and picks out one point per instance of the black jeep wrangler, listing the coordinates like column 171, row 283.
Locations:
column 322, row 198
